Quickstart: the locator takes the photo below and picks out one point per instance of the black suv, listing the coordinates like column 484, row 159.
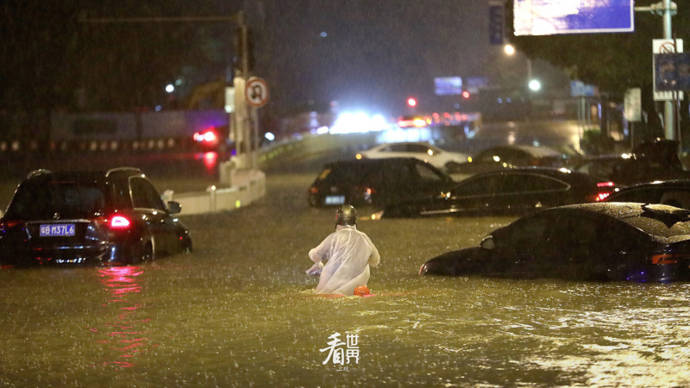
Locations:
column 111, row 217
column 376, row 182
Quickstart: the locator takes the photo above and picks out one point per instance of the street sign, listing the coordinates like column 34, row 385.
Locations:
column 581, row 89
column 256, row 92
column 665, row 46
column 448, row 86
column 548, row 17
column 496, row 21
column 672, row 72
column 632, row 106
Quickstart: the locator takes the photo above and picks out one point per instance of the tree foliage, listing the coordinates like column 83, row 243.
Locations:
column 612, row 61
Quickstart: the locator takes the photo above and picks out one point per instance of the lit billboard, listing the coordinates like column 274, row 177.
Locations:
column 548, row 17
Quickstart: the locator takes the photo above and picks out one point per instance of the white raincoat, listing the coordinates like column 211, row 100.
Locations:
column 348, row 254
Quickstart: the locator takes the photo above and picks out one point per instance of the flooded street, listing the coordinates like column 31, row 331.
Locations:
column 239, row 311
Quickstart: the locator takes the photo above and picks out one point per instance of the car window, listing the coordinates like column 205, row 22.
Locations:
column 67, row 199
column 398, row 148
column 144, row 195
column 418, row 148
column 484, row 185
column 427, row 173
column 488, row 156
column 644, row 194
column 526, row 232
column 532, row 182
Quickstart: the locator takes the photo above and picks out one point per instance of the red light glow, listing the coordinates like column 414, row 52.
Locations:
column 119, row 222
column 602, row 196
column 207, row 136
column 605, row 184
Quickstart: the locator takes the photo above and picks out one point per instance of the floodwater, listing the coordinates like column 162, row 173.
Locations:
column 239, row 312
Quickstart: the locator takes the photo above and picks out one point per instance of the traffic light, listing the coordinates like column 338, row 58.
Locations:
column 411, row 102
column 466, row 95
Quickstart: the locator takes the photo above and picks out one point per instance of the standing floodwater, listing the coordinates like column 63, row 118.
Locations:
column 240, row 311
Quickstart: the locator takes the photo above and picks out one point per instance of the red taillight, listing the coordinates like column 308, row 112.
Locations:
column 314, row 190
column 9, row 223
column 605, row 184
column 206, row 137
column 666, row 258
column 119, row 222
column 602, row 196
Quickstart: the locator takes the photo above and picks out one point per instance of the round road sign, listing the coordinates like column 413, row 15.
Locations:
column 256, row 92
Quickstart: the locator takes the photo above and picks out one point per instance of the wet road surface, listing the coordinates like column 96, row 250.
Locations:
column 239, row 311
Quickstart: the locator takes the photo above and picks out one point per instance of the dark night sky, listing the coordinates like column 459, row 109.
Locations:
column 364, row 53
column 375, row 52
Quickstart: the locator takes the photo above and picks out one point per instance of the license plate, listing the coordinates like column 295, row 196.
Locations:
column 334, row 200
column 56, row 230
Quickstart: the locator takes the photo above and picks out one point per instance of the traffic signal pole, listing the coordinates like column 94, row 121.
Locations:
column 666, row 8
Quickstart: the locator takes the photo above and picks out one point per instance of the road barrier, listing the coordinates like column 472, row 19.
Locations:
column 247, row 186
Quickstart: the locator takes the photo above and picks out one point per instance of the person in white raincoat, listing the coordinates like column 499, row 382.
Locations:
column 347, row 254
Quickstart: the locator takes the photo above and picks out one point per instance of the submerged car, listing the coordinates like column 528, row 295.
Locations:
column 506, row 156
column 597, row 241
column 109, row 217
column 420, row 150
column 509, row 191
column 376, row 182
column 673, row 192
column 649, row 161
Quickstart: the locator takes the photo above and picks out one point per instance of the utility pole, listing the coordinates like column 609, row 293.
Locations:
column 666, row 9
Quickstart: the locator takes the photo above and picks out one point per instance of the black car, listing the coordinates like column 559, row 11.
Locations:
column 673, row 192
column 509, row 191
column 649, row 161
column 596, row 241
column 110, row 217
column 376, row 182
column 506, row 156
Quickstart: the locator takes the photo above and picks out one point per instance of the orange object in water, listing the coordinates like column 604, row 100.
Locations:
column 362, row 291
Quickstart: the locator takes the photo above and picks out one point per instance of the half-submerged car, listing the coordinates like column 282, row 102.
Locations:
column 376, row 182
column 596, row 241
column 506, row 156
column 672, row 192
column 420, row 150
column 109, row 217
column 513, row 191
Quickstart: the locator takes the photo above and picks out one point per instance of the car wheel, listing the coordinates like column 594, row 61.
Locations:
column 187, row 245
column 148, row 251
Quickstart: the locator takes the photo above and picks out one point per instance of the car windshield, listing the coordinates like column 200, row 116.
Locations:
column 66, row 199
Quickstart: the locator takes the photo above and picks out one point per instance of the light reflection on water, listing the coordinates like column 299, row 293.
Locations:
column 124, row 333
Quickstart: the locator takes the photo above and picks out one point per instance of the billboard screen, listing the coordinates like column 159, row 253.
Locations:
column 448, row 86
column 548, row 17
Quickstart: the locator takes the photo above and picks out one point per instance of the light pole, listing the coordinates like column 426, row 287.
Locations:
column 665, row 8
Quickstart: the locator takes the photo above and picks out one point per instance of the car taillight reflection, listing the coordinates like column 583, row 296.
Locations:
column 602, row 196
column 119, row 222
column 605, row 184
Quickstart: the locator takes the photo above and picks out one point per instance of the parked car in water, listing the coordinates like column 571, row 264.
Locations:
column 419, row 150
column 376, row 182
column 509, row 191
column 108, row 217
column 672, row 192
column 649, row 161
column 597, row 241
column 506, row 156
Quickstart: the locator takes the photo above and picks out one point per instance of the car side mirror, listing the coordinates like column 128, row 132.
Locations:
column 174, row 207
column 488, row 243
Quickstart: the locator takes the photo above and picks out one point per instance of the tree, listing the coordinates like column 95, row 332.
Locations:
column 612, row 61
